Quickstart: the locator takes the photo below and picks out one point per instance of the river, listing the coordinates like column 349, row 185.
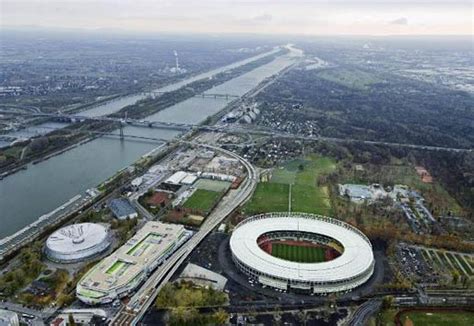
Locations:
column 27, row 194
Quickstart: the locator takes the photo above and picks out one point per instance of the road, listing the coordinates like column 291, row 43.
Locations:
column 267, row 132
column 363, row 313
column 146, row 214
column 145, row 296
column 37, row 315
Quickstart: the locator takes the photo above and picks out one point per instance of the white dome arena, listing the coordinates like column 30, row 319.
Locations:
column 77, row 242
column 352, row 266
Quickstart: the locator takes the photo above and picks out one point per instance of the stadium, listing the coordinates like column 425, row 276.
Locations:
column 120, row 273
column 302, row 252
column 77, row 242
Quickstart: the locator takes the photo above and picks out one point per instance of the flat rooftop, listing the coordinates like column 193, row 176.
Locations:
column 148, row 245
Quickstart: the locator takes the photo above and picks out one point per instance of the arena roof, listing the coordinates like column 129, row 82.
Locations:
column 357, row 257
column 76, row 238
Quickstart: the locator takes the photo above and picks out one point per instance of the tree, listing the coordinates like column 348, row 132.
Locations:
column 220, row 317
column 387, row 302
column 455, row 275
column 39, row 144
column 71, row 321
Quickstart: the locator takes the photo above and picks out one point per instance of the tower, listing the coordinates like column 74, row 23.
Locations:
column 177, row 60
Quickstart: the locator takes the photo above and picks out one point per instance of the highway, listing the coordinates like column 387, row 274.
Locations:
column 145, row 296
column 363, row 313
column 271, row 133
column 235, row 129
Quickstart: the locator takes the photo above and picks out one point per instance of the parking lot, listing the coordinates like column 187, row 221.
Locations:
column 414, row 267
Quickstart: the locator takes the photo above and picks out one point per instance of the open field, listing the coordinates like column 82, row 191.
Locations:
column 420, row 318
column 306, row 196
column 309, row 199
column 303, row 171
column 202, row 200
column 212, row 185
column 299, row 254
column 268, row 197
column 352, row 78
column 314, row 167
column 283, row 175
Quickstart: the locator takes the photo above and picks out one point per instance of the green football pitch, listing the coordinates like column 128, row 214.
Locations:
column 298, row 254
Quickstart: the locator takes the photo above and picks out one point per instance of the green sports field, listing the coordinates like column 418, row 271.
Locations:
column 298, row 254
column 202, row 200
column 212, row 185
column 268, row 197
column 421, row 318
column 306, row 195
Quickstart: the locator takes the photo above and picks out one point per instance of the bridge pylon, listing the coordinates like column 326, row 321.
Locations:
column 121, row 131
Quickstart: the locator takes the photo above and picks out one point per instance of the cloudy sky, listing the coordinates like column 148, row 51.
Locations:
column 310, row 17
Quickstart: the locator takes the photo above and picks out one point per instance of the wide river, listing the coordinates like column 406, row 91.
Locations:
column 28, row 194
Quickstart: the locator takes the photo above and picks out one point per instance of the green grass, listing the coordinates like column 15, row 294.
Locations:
column 283, row 175
column 306, row 197
column 212, row 185
column 268, row 197
column 440, row 318
column 352, row 78
column 454, row 262
column 202, row 200
column 309, row 199
column 298, row 254
column 13, row 151
column 464, row 264
column 444, row 260
column 115, row 267
column 314, row 167
column 142, row 243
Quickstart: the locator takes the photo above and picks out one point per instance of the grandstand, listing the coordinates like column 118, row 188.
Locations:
column 303, row 252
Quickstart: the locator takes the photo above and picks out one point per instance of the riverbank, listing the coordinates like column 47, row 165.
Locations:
column 142, row 108
column 62, row 176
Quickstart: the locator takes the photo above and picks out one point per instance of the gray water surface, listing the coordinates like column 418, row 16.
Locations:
column 26, row 195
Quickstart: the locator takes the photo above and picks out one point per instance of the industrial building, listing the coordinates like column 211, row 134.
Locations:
column 77, row 242
column 181, row 178
column 351, row 268
column 203, row 277
column 359, row 193
column 120, row 273
column 122, row 209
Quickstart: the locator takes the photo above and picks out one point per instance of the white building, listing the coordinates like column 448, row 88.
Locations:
column 8, row 318
column 77, row 242
column 352, row 268
column 121, row 272
column 203, row 277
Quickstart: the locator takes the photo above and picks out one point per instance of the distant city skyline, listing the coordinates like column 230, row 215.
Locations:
column 306, row 17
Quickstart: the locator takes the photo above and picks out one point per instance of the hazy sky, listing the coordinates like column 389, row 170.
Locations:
column 368, row 17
